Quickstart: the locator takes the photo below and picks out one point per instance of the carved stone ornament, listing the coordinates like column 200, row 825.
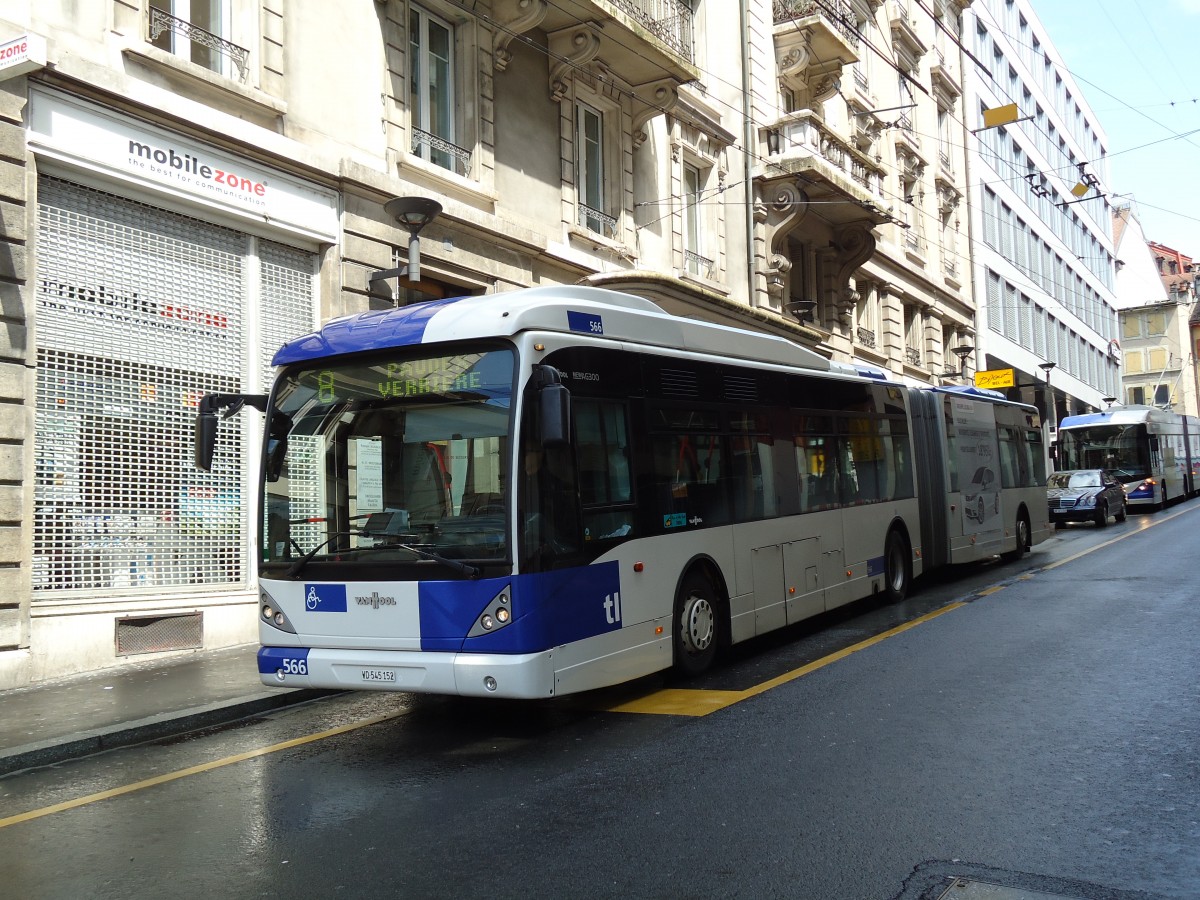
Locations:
column 855, row 245
column 579, row 49
column 654, row 98
column 529, row 15
column 785, row 204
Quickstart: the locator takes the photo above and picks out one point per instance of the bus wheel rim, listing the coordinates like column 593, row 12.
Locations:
column 698, row 621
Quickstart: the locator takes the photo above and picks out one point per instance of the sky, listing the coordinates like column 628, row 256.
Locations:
column 1137, row 64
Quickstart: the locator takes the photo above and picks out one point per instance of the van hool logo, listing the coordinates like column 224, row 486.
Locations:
column 190, row 169
column 375, row 601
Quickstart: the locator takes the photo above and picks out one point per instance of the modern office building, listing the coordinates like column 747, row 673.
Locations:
column 1044, row 264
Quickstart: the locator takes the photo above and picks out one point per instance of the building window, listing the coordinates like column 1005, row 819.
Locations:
column 431, row 92
column 696, row 262
column 197, row 30
column 589, row 171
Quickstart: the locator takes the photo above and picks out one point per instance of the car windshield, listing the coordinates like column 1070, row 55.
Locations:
column 1074, row 479
column 393, row 458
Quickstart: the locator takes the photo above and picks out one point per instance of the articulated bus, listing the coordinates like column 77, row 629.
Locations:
column 1154, row 453
column 551, row 490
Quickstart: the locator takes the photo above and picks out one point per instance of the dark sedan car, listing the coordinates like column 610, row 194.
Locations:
column 1084, row 495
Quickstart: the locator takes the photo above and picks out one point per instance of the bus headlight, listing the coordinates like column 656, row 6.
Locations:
column 495, row 615
column 271, row 614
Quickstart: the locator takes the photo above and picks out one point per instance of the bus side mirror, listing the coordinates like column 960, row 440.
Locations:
column 554, row 408
column 205, row 438
column 555, row 402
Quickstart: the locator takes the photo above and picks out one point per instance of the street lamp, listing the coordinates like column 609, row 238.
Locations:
column 1109, row 401
column 414, row 213
column 962, row 353
column 1051, row 412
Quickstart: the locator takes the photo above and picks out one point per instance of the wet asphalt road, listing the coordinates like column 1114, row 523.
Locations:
column 1042, row 736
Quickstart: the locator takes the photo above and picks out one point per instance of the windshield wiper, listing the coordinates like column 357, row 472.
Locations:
column 461, row 567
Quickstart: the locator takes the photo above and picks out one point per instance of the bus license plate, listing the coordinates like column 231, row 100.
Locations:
column 378, row 675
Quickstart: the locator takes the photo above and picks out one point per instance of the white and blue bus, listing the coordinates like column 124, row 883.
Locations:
column 551, row 490
column 1154, row 453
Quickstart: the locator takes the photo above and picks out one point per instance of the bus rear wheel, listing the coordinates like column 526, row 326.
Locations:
column 897, row 567
column 697, row 622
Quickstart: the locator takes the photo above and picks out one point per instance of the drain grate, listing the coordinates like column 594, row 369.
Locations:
column 154, row 634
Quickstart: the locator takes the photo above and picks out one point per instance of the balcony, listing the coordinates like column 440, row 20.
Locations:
column 641, row 41
column 865, row 337
column 912, row 356
column 814, row 39
column 943, row 73
column 838, row 171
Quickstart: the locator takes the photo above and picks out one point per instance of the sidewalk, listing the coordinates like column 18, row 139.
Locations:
column 84, row 714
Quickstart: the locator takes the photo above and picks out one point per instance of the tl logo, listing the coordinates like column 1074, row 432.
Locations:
column 612, row 608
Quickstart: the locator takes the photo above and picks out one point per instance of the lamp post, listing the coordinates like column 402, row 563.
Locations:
column 414, row 213
column 1109, row 401
column 1051, row 411
column 962, row 353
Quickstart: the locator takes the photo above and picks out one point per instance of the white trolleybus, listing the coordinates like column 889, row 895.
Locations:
column 551, row 490
column 1154, row 453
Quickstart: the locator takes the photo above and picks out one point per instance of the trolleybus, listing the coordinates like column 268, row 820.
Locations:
column 1154, row 453
column 550, row 490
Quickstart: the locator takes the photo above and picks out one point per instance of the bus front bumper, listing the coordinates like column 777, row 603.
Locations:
column 528, row 676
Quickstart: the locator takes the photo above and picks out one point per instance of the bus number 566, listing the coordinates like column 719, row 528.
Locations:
column 294, row 667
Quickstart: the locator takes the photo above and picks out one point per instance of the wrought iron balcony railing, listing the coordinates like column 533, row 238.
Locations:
column 912, row 356
column 668, row 20
column 442, row 152
column 836, row 12
column 594, row 220
column 161, row 21
column 866, row 338
column 700, row 266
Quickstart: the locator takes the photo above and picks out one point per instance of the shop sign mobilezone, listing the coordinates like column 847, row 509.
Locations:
column 90, row 136
column 23, row 54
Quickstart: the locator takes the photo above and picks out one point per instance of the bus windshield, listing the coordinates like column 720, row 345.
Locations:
column 397, row 458
column 1121, row 449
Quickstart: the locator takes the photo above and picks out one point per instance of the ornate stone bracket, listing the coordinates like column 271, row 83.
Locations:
column 530, row 14
column 782, row 210
column 855, row 245
column 569, row 50
column 656, row 97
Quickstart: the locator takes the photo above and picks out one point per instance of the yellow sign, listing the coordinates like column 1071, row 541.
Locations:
column 1001, row 115
column 996, row 378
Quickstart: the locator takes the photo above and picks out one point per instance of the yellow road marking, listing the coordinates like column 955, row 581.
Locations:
column 991, row 590
column 192, row 770
column 683, row 702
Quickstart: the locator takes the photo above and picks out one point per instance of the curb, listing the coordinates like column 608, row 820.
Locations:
column 171, row 724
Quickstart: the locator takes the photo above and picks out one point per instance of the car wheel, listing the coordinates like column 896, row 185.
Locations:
column 696, row 625
column 982, row 509
column 897, row 567
column 1102, row 514
column 1121, row 513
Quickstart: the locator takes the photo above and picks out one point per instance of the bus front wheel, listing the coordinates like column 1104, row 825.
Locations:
column 1023, row 539
column 696, row 625
column 897, row 567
